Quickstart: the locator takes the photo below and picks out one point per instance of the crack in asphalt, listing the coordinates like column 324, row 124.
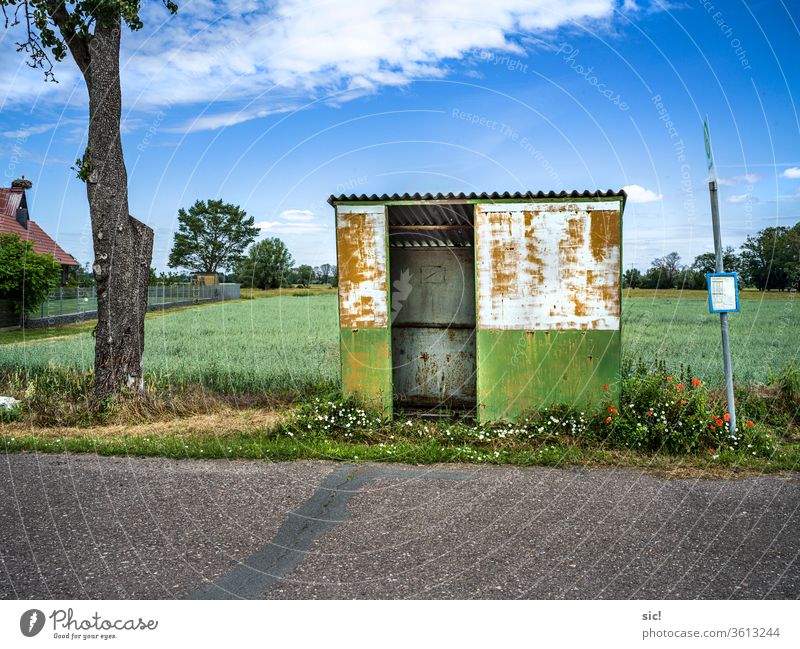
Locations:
column 326, row 509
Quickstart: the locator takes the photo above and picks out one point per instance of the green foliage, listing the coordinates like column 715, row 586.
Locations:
column 771, row 259
column 659, row 411
column 788, row 383
column 211, row 236
column 82, row 167
column 26, row 277
column 334, row 418
column 707, row 262
column 81, row 276
column 50, row 25
column 632, row 278
column 305, row 274
column 267, row 265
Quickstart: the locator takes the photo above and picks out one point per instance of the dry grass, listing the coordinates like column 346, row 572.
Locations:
column 224, row 422
column 674, row 293
column 315, row 289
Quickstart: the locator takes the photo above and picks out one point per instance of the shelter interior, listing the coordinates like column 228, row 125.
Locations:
column 432, row 274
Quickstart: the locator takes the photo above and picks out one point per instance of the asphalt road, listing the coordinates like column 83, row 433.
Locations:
column 80, row 526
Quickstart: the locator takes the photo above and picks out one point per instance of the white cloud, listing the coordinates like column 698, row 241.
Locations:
column 297, row 215
column 747, row 179
column 740, row 198
column 791, row 172
column 225, row 119
column 24, row 133
column 638, row 194
column 281, row 52
column 292, row 227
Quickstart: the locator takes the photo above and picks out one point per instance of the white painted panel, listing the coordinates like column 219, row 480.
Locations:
column 545, row 266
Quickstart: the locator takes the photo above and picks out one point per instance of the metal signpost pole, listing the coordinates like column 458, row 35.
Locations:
column 723, row 317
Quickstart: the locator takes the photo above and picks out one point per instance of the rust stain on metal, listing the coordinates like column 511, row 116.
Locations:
column 362, row 267
column 548, row 265
column 604, row 232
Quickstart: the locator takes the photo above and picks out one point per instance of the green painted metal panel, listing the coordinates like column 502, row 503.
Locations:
column 367, row 366
column 524, row 370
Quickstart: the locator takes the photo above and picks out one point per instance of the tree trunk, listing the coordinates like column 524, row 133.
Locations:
column 123, row 246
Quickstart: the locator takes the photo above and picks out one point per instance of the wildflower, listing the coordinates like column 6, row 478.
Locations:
column 679, row 386
column 608, row 420
column 719, row 423
column 697, row 383
column 649, row 413
column 749, row 423
column 712, row 427
column 726, row 416
column 669, row 378
column 605, row 387
column 683, row 402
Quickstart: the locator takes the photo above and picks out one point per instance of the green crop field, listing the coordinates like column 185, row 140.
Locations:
column 290, row 344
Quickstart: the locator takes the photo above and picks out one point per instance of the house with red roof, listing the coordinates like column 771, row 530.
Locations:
column 14, row 219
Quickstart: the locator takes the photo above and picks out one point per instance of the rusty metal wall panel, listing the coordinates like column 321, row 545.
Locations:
column 548, row 266
column 433, row 286
column 434, row 366
column 433, row 322
column 361, row 252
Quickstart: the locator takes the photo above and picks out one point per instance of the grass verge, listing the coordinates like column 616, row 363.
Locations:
column 265, row 445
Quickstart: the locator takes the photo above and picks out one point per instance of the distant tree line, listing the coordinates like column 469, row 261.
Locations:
column 768, row 261
column 269, row 264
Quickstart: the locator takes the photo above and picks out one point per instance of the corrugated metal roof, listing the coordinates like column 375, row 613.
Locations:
column 374, row 198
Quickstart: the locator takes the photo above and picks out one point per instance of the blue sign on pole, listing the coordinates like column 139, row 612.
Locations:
column 723, row 292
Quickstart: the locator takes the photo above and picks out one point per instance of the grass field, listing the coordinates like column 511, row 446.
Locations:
column 289, row 343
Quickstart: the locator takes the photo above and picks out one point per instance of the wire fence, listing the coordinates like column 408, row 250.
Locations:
column 76, row 300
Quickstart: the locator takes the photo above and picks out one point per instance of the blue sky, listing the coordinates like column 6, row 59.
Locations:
column 274, row 106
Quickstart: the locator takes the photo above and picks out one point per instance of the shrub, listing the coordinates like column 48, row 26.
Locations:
column 26, row 277
column 669, row 412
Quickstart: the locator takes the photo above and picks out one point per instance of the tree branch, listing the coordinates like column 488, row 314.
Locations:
column 78, row 43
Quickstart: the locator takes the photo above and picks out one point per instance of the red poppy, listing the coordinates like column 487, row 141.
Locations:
column 679, row 386
column 719, row 422
column 608, row 420
column 649, row 413
column 712, row 451
column 683, row 402
column 712, row 427
column 605, row 387
column 726, row 417
column 696, row 382
column 750, row 423
column 669, row 378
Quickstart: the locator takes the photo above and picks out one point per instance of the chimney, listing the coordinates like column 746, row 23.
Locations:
column 22, row 211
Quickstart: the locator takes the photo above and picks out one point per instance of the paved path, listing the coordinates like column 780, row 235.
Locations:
column 79, row 526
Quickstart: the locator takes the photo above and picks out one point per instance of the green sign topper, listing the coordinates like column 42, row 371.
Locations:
column 709, row 154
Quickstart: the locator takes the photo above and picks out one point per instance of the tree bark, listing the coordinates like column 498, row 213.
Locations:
column 123, row 246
